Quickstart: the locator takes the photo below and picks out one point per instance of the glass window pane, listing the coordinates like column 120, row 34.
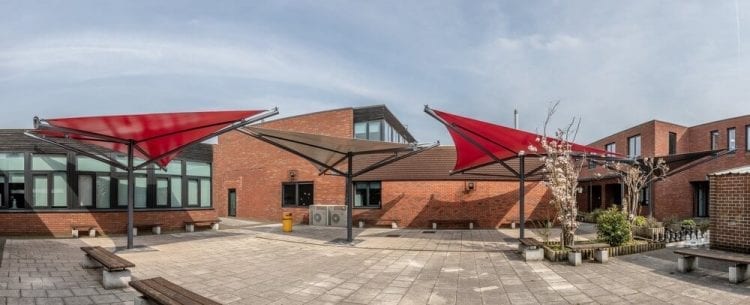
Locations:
column 747, row 137
column 305, row 194
column 162, row 191
column 198, row 169
column 17, row 178
column 49, row 163
column 40, row 191
column 102, row 192
column 192, row 190
column 60, row 189
column 732, row 145
column 85, row 190
column 374, row 131
column 86, row 164
column 11, row 162
column 2, row 191
column 140, row 192
column 122, row 192
column 123, row 159
column 360, row 194
column 176, row 185
column 289, row 194
column 374, row 198
column 360, row 130
column 173, row 168
column 205, row 192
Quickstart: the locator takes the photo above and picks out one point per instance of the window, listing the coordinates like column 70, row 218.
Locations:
column 747, row 137
column 175, row 198
column 731, row 139
column 93, row 183
column 13, row 180
column 162, row 192
column 714, row 140
column 377, row 130
column 645, row 196
column 367, row 194
column 297, row 194
column 169, row 184
column 672, row 143
column 634, row 146
column 592, row 164
column 611, row 147
column 198, row 183
column 49, row 180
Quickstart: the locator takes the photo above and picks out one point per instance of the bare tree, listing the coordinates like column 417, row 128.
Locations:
column 561, row 169
column 636, row 177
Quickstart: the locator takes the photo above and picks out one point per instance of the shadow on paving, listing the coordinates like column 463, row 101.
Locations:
column 709, row 271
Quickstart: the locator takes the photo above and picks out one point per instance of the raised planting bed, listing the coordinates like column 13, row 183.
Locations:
column 553, row 252
column 650, row 233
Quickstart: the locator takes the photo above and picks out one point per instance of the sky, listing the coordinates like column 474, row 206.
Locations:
column 613, row 64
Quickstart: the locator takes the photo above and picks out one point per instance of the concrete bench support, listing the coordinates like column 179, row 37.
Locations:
column 574, row 258
column 686, row 263
column 115, row 279
column 90, row 263
column 189, row 227
column 601, row 255
column 215, row 227
column 532, row 254
column 738, row 274
column 156, row 230
column 135, row 231
column 143, row 301
column 471, row 226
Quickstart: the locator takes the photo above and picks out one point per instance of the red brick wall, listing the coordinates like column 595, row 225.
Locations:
column 58, row 223
column 730, row 212
column 491, row 204
column 256, row 169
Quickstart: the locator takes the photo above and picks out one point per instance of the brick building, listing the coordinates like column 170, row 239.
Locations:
column 45, row 189
column 685, row 192
column 255, row 180
column 730, row 209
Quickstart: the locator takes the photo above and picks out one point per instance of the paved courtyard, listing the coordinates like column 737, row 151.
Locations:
column 248, row 263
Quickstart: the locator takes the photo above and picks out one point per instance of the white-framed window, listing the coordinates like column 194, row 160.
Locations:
column 634, row 146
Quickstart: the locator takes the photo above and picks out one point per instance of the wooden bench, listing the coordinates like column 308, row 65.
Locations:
column 390, row 222
column 738, row 273
column 115, row 273
column 531, row 249
column 76, row 228
column 155, row 227
column 595, row 246
column 190, row 225
column 160, row 291
column 600, row 252
column 466, row 222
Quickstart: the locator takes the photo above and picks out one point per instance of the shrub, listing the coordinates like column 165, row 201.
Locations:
column 613, row 227
column 652, row 223
column 640, row 221
column 703, row 225
column 593, row 216
column 688, row 224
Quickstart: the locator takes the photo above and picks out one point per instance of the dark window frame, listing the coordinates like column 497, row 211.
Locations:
column 747, row 137
column 367, row 205
column 711, row 144
column 735, row 139
column 640, row 148
column 613, row 144
column 297, row 197
column 672, row 143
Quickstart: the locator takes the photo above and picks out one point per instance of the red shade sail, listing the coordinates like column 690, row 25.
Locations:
column 156, row 137
column 481, row 143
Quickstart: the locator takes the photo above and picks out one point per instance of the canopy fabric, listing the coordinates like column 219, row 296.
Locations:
column 156, row 137
column 481, row 143
column 326, row 152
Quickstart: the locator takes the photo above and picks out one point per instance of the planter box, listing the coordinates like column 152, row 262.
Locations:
column 650, row 233
column 587, row 254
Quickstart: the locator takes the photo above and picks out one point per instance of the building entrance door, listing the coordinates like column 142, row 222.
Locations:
column 700, row 198
column 232, row 204
column 596, row 197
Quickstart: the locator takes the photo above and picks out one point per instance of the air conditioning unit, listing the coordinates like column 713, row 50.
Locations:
column 318, row 215
column 337, row 215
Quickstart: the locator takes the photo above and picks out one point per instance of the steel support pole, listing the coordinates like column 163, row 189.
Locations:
column 349, row 201
column 131, row 194
column 522, row 195
column 651, row 199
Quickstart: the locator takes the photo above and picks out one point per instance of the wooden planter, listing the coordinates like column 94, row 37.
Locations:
column 562, row 255
column 650, row 233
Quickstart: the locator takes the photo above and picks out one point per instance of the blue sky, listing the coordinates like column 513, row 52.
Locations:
column 614, row 64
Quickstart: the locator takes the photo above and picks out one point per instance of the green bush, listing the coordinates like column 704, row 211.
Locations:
column 688, row 224
column 613, row 227
column 593, row 216
column 640, row 221
column 703, row 225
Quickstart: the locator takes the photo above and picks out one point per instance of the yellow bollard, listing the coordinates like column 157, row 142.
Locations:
column 286, row 222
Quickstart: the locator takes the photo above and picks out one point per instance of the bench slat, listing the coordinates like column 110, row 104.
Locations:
column 108, row 259
column 530, row 242
column 168, row 293
column 588, row 246
column 204, row 221
column 716, row 254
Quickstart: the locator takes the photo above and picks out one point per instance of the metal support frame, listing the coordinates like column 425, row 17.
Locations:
column 349, row 201
column 131, row 194
column 522, row 196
